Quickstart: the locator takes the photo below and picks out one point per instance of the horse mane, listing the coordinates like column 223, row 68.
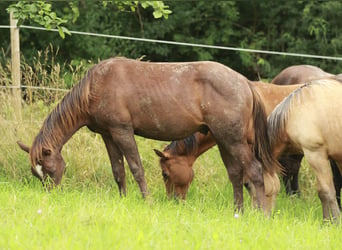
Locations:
column 65, row 116
column 185, row 146
column 278, row 118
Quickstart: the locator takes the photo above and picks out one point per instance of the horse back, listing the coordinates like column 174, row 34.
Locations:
column 156, row 99
column 311, row 116
column 300, row 74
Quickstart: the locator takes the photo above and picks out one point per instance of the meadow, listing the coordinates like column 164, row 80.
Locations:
column 87, row 212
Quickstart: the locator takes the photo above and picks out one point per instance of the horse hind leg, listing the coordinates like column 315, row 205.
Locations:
column 255, row 174
column 319, row 162
column 117, row 163
column 239, row 161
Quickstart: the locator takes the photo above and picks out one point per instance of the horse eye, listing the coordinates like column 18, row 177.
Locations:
column 165, row 175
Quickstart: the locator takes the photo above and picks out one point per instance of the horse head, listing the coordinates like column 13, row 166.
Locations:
column 48, row 165
column 177, row 173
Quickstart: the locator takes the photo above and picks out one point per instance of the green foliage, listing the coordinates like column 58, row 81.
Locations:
column 306, row 26
column 159, row 8
column 39, row 12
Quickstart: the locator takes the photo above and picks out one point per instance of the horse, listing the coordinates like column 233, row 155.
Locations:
column 293, row 75
column 302, row 73
column 119, row 98
column 309, row 121
column 177, row 158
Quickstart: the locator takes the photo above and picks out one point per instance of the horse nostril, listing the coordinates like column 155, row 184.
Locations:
column 165, row 176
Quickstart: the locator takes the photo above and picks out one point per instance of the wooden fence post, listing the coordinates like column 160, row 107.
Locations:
column 15, row 54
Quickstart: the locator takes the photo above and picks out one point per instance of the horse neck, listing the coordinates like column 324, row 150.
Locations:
column 55, row 134
column 204, row 142
column 272, row 94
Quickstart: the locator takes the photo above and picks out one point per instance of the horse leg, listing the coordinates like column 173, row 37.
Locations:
column 237, row 161
column 124, row 138
column 117, row 163
column 336, row 168
column 255, row 174
column 235, row 173
column 251, row 190
column 319, row 161
column 291, row 164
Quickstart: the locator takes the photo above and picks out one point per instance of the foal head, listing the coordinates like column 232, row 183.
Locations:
column 177, row 173
column 46, row 165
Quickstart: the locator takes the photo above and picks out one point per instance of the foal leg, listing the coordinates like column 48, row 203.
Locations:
column 124, row 138
column 319, row 161
column 116, row 160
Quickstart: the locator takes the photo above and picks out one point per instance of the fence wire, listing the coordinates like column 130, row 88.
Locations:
column 168, row 43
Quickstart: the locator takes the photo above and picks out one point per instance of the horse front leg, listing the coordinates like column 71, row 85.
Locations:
column 124, row 138
column 117, row 163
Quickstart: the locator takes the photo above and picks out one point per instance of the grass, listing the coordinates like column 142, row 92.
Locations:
column 88, row 213
column 97, row 218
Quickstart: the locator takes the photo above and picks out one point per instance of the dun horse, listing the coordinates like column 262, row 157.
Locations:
column 309, row 121
column 178, row 157
column 291, row 163
column 119, row 98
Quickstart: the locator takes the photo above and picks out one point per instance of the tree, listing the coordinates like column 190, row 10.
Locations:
column 303, row 26
column 40, row 12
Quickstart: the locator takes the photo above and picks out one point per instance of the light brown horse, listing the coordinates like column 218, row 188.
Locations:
column 178, row 157
column 119, row 98
column 292, row 162
column 309, row 121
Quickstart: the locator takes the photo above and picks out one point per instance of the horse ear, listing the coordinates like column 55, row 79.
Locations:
column 23, row 146
column 160, row 154
column 46, row 152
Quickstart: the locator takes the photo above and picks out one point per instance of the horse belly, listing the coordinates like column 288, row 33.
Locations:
column 166, row 122
column 166, row 128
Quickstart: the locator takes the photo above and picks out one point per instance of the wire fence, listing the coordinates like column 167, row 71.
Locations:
column 163, row 42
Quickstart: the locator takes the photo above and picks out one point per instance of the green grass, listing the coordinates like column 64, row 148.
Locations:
column 97, row 218
column 88, row 213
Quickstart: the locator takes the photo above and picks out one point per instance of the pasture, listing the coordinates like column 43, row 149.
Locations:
column 87, row 212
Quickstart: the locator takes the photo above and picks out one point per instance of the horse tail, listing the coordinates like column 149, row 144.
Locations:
column 262, row 149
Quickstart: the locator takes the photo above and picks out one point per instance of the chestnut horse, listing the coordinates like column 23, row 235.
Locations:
column 291, row 163
column 120, row 98
column 177, row 158
column 309, row 121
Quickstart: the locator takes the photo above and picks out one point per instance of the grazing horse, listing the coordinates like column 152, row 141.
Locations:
column 177, row 158
column 120, row 98
column 309, row 121
column 291, row 163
